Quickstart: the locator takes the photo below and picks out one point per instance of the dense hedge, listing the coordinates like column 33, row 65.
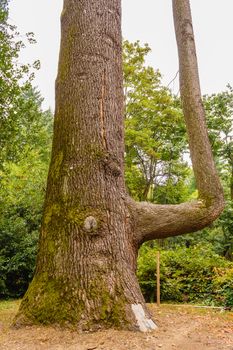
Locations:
column 194, row 274
column 17, row 255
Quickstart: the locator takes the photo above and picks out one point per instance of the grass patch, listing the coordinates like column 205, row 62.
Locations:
column 8, row 309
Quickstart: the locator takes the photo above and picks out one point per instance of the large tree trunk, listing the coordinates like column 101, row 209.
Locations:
column 86, row 265
column 91, row 231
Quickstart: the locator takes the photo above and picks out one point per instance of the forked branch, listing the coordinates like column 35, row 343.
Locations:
column 156, row 221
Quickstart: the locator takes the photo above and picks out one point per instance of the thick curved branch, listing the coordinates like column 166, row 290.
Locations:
column 156, row 221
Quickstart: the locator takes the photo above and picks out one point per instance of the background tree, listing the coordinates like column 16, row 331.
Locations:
column 22, row 188
column 24, row 153
column 91, row 230
column 219, row 112
column 15, row 84
column 155, row 136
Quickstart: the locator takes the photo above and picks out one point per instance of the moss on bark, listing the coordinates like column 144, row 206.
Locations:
column 47, row 301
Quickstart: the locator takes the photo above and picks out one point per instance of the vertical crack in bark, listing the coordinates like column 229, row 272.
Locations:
column 102, row 110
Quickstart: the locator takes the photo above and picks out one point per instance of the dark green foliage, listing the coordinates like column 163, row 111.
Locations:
column 226, row 224
column 223, row 285
column 194, row 274
column 17, row 257
column 21, row 199
column 24, row 154
column 219, row 110
column 219, row 114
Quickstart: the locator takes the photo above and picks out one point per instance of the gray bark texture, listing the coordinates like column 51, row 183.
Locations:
column 91, row 231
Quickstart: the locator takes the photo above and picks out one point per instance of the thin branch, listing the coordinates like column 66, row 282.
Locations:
column 173, row 79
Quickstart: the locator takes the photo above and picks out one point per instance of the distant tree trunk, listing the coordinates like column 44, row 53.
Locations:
column 91, row 231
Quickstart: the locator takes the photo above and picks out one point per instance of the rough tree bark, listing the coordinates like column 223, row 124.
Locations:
column 91, row 231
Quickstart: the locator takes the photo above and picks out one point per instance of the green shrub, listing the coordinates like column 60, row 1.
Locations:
column 21, row 200
column 17, row 255
column 223, row 284
column 187, row 275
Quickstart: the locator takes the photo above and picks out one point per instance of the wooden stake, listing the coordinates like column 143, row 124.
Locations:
column 158, row 279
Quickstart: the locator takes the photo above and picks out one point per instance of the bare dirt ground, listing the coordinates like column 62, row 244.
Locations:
column 179, row 328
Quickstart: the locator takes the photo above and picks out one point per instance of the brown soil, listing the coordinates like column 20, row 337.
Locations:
column 180, row 328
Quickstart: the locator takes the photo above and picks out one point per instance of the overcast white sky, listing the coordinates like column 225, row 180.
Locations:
column 148, row 21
